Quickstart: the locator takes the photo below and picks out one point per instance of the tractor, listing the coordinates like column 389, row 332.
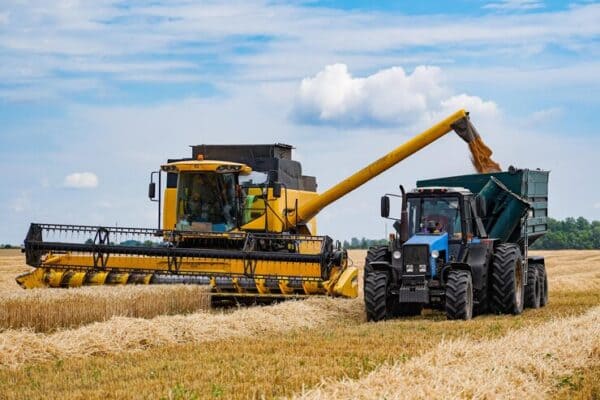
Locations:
column 461, row 246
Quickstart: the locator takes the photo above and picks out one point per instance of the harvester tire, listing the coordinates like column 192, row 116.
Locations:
column 375, row 293
column 533, row 290
column 543, row 277
column 507, row 294
column 459, row 295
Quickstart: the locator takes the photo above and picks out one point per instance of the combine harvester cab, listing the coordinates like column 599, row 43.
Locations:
column 462, row 246
column 240, row 218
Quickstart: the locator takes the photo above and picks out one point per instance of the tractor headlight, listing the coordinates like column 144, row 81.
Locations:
column 396, row 254
column 423, row 268
column 410, row 268
column 435, row 254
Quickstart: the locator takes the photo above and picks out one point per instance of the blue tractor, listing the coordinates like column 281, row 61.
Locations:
column 461, row 245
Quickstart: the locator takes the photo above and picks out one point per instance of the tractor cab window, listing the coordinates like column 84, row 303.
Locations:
column 206, row 201
column 432, row 215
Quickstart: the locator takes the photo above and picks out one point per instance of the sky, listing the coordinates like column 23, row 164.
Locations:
column 94, row 95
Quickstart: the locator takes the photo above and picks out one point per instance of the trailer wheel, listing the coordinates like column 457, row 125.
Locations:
column 459, row 295
column 507, row 280
column 543, row 277
column 376, row 295
column 533, row 290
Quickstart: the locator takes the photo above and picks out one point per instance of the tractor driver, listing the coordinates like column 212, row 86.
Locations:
column 434, row 227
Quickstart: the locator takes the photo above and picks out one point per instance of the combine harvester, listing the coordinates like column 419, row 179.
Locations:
column 240, row 218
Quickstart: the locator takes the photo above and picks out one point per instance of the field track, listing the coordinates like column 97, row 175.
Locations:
column 320, row 348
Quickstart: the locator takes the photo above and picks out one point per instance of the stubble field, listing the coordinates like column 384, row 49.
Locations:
column 165, row 342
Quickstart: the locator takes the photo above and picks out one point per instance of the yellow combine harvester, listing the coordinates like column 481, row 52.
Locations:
column 240, row 218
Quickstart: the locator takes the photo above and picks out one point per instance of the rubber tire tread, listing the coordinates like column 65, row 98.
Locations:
column 533, row 289
column 459, row 303
column 375, row 294
column 503, row 299
column 375, row 253
column 543, row 285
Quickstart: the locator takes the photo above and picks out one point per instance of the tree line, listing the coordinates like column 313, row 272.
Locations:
column 570, row 233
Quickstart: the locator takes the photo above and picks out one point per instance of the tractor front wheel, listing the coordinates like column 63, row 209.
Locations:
column 375, row 293
column 459, row 295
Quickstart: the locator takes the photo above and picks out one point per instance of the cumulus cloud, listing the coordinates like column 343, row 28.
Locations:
column 81, row 180
column 388, row 97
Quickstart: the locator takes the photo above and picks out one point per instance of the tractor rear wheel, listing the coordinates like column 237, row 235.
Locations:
column 533, row 292
column 506, row 287
column 375, row 294
column 543, row 277
column 459, row 295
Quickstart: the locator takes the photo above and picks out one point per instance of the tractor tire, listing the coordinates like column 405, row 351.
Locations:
column 376, row 295
column 533, row 292
column 507, row 294
column 459, row 295
column 543, row 277
column 375, row 253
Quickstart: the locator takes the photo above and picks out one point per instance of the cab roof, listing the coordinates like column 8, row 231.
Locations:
column 206, row 166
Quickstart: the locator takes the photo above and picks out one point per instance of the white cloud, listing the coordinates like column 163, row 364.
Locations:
column 597, row 205
column 473, row 104
column 515, row 5
column 388, row 97
column 81, row 180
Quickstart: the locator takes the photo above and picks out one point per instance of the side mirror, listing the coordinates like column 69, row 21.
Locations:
column 152, row 190
column 276, row 190
column 385, row 206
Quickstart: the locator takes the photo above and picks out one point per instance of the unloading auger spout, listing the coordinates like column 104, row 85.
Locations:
column 459, row 122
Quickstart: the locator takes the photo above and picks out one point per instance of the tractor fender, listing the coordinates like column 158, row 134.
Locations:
column 384, row 266
column 453, row 267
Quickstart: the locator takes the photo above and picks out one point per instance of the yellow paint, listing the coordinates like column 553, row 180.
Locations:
column 309, row 209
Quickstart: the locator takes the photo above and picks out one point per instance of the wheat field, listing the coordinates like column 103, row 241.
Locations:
column 319, row 348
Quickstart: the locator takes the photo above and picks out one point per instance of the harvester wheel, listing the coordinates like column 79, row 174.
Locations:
column 376, row 295
column 506, row 287
column 459, row 295
column 533, row 292
column 543, row 277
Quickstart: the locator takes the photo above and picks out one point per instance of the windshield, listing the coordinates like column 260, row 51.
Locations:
column 434, row 215
column 206, row 201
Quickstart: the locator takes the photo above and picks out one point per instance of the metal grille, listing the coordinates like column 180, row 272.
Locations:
column 415, row 254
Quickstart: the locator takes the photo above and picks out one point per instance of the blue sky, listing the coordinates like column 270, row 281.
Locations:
column 95, row 95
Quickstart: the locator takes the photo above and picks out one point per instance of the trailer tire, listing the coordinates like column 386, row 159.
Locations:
column 543, row 277
column 459, row 295
column 507, row 280
column 375, row 294
column 533, row 290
